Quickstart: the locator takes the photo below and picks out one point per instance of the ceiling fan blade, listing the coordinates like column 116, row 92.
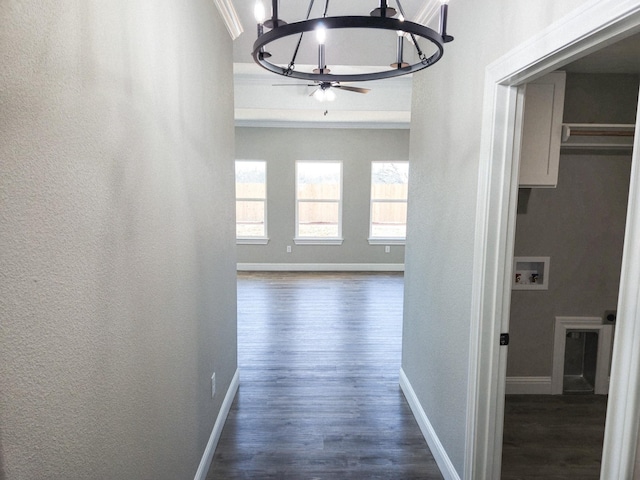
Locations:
column 293, row 84
column 353, row 89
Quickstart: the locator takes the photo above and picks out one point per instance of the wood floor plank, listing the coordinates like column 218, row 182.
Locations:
column 553, row 436
column 319, row 357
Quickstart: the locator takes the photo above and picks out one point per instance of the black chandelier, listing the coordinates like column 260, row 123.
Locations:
column 381, row 18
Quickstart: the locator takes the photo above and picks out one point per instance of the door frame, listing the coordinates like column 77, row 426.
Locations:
column 590, row 27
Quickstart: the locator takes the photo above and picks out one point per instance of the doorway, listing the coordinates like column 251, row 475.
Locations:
column 602, row 24
column 560, row 335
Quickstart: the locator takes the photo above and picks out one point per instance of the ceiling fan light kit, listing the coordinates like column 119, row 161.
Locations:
column 381, row 18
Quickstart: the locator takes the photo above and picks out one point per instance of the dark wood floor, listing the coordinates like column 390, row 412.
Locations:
column 555, row 437
column 319, row 357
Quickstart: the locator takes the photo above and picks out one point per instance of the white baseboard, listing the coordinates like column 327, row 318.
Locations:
column 528, row 385
column 321, row 267
column 210, row 449
column 437, row 449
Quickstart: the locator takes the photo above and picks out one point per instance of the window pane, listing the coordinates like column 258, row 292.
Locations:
column 250, row 218
column 389, row 219
column 318, row 219
column 390, row 191
column 389, row 185
column 318, row 231
column 251, row 179
column 251, row 194
column 243, row 230
column 389, row 180
column 318, row 180
column 250, row 190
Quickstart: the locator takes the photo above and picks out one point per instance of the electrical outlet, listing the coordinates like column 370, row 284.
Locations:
column 213, row 385
column 387, row 249
column 288, row 248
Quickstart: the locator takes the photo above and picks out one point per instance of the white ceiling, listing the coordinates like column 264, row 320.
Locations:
column 388, row 105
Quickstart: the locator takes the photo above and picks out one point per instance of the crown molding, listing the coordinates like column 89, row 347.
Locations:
column 363, row 125
column 229, row 17
column 428, row 12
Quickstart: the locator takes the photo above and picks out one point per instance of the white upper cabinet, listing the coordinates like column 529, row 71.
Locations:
column 540, row 115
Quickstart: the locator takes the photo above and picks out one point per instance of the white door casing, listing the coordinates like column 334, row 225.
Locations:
column 590, row 27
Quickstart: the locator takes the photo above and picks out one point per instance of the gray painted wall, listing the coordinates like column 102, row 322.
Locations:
column 357, row 148
column 579, row 224
column 445, row 140
column 117, row 256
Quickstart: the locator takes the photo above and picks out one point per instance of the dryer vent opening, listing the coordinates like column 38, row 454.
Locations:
column 580, row 361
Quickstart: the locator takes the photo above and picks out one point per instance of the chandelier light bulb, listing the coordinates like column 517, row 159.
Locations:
column 319, row 95
column 329, row 95
column 259, row 12
column 321, row 35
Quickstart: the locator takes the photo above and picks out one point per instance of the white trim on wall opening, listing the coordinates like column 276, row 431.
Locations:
column 595, row 24
column 584, row 324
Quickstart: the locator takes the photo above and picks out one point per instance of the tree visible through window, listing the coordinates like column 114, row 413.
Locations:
column 251, row 199
column 318, row 200
column 389, row 182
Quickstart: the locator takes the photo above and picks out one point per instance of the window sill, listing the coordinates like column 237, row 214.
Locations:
column 387, row 241
column 318, row 241
column 252, row 241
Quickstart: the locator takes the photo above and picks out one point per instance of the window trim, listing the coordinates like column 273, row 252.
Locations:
column 384, row 240
column 338, row 239
column 387, row 241
column 254, row 240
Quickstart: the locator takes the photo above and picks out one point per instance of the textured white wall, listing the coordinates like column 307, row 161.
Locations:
column 444, row 153
column 117, row 257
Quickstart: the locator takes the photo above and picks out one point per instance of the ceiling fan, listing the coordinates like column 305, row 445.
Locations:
column 324, row 91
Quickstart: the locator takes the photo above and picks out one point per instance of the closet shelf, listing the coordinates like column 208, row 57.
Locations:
column 597, row 136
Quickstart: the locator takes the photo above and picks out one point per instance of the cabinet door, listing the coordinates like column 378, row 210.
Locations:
column 541, row 131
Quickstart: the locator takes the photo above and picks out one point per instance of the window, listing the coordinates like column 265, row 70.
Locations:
column 319, row 202
column 251, row 201
column 389, row 182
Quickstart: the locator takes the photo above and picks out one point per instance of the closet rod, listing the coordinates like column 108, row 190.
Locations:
column 601, row 133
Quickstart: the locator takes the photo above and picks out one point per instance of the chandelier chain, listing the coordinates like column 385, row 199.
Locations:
column 420, row 53
column 292, row 63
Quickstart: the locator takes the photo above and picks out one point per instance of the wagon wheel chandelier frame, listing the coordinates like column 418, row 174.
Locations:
column 380, row 19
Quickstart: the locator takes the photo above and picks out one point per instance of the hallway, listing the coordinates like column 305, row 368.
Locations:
column 319, row 356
